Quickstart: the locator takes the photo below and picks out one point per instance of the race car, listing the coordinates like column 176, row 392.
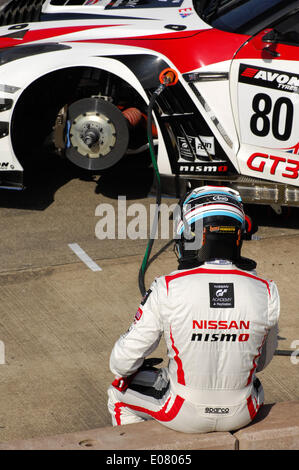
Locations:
column 80, row 74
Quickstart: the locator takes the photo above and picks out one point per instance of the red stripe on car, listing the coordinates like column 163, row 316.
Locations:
column 188, row 50
column 40, row 34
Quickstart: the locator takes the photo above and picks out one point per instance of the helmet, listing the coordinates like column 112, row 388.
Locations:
column 210, row 224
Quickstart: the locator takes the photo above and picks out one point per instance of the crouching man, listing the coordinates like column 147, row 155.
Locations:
column 219, row 320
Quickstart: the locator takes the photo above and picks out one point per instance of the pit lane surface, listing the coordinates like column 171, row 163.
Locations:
column 59, row 319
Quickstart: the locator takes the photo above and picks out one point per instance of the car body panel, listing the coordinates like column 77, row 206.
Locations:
column 266, row 106
column 217, row 128
column 186, row 50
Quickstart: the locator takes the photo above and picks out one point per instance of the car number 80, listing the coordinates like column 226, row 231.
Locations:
column 282, row 117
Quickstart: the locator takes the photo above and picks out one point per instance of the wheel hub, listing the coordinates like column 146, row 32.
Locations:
column 93, row 135
column 97, row 134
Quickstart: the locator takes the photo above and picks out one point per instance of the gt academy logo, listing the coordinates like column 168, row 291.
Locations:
column 269, row 78
column 221, row 295
column 220, row 292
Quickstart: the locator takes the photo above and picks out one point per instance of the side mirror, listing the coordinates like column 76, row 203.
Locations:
column 265, row 42
column 271, row 36
column 261, row 40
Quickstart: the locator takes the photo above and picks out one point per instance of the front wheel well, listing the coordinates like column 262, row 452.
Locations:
column 36, row 111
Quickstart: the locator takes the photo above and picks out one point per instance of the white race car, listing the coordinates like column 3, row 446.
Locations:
column 80, row 73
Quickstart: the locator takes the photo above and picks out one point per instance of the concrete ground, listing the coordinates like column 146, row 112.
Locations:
column 59, row 319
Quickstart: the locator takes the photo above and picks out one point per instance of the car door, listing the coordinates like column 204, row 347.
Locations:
column 264, row 86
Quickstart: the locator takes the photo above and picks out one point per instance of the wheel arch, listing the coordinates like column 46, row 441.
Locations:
column 41, row 99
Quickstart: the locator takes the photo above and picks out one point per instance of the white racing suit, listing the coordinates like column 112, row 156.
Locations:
column 220, row 327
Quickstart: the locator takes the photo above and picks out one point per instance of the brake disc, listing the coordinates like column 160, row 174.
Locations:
column 97, row 134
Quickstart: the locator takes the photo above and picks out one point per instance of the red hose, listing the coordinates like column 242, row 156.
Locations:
column 135, row 117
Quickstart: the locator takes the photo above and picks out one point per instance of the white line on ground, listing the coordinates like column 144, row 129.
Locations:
column 84, row 257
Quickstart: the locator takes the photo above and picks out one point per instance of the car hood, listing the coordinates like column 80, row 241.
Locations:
column 176, row 32
column 178, row 15
column 103, row 19
column 159, row 10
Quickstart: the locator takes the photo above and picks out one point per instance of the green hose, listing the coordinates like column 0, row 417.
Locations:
column 149, row 247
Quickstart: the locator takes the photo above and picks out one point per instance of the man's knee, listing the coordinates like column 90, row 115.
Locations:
column 120, row 411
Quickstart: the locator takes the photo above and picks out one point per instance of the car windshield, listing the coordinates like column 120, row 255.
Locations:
column 243, row 16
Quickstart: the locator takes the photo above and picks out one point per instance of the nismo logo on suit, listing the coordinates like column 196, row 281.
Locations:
column 220, row 325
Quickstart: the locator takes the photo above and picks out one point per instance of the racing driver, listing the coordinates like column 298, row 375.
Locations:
column 219, row 320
